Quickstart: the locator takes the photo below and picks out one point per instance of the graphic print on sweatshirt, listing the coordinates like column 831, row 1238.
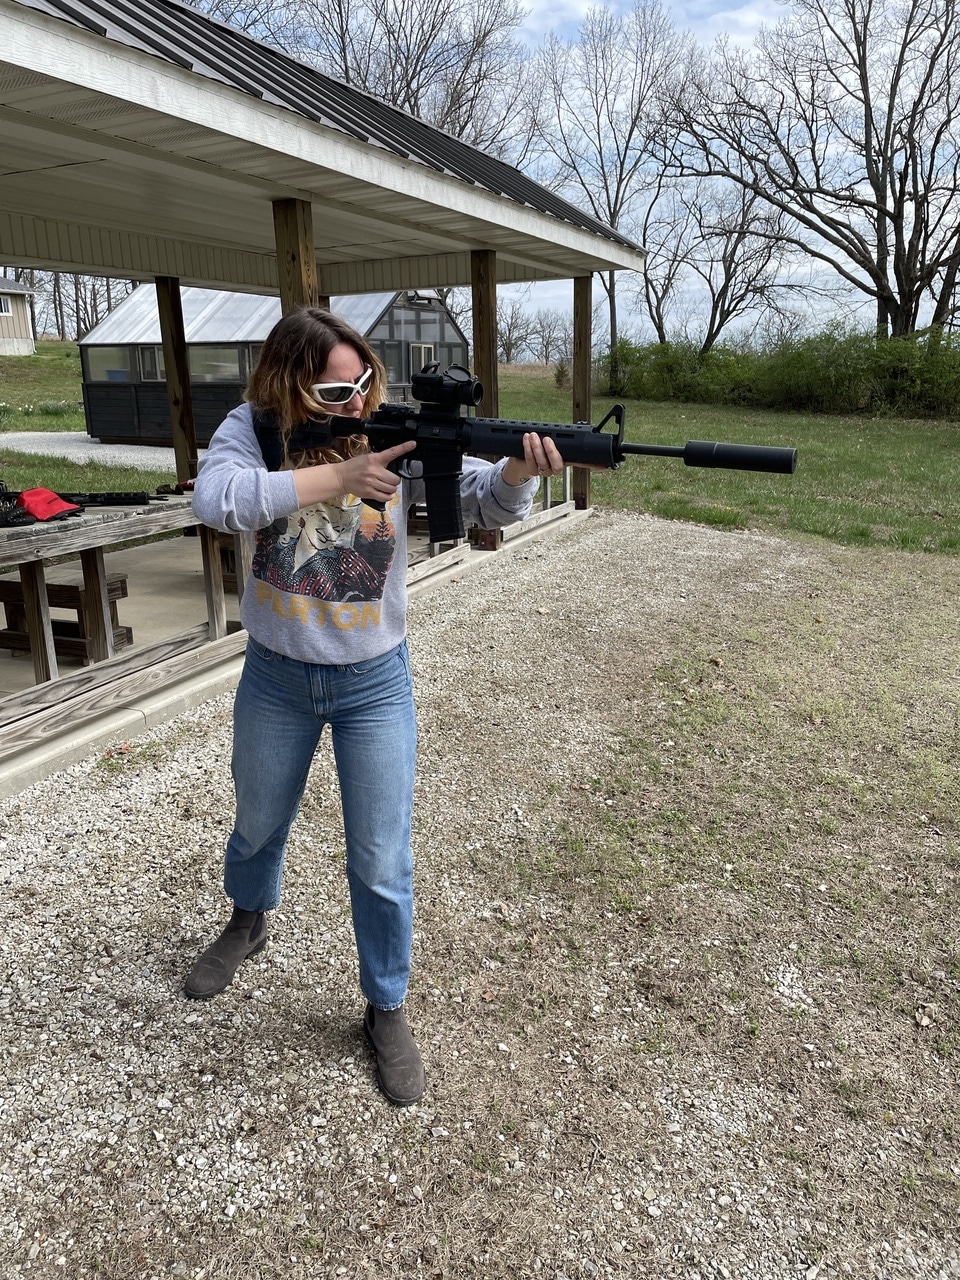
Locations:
column 334, row 551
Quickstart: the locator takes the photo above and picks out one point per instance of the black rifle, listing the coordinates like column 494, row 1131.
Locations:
column 443, row 436
column 114, row 498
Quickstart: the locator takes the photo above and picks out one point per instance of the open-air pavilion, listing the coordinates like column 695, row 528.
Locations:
column 140, row 139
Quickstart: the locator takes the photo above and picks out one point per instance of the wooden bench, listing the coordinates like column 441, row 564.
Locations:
column 71, row 639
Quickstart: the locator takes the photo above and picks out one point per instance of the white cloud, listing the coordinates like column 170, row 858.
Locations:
column 562, row 16
column 706, row 19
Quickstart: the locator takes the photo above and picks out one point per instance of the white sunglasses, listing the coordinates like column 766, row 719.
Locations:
column 341, row 392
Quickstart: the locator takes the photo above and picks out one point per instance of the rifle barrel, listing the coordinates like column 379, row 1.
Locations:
column 710, row 453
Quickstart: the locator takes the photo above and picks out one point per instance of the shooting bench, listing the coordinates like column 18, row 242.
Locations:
column 71, row 639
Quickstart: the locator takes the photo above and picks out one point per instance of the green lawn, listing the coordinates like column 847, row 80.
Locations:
column 42, row 392
column 860, row 481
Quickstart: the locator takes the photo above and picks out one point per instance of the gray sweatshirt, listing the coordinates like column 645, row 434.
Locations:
column 328, row 582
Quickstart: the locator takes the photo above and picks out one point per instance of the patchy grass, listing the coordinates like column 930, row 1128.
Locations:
column 29, row 471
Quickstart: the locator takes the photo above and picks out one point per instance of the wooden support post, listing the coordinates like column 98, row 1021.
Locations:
column 242, row 560
column 98, row 619
column 36, row 608
column 483, row 270
column 296, row 257
column 582, row 369
column 177, row 376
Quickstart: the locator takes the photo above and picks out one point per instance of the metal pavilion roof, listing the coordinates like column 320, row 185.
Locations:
column 141, row 139
column 170, row 30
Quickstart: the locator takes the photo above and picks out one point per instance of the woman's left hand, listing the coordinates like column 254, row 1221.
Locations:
column 541, row 459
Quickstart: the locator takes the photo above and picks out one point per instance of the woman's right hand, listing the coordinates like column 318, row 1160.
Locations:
column 365, row 476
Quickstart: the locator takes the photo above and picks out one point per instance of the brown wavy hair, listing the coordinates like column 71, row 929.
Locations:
column 294, row 357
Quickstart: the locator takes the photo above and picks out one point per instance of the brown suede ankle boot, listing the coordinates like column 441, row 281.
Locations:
column 399, row 1065
column 245, row 935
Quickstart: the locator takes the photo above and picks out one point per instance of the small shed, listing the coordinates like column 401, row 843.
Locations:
column 124, row 391
column 16, row 325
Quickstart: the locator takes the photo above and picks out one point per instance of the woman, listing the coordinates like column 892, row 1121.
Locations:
column 325, row 611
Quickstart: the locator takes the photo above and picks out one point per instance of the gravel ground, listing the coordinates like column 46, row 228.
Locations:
column 144, row 1135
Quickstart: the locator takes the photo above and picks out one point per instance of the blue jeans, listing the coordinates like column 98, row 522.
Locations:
column 279, row 714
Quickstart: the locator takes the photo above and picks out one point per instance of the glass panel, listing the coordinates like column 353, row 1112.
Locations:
column 421, row 353
column 6, row 306
column 253, row 355
column 151, row 364
column 214, row 364
column 111, row 364
column 429, row 325
column 452, row 353
column 390, row 354
column 449, row 330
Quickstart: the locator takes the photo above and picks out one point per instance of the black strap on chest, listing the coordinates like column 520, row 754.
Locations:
column 268, row 438
column 305, row 435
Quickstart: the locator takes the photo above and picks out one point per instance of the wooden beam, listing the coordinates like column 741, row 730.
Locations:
column 242, row 560
column 296, row 258
column 213, row 582
column 582, row 370
column 483, row 264
column 55, row 696
column 177, row 372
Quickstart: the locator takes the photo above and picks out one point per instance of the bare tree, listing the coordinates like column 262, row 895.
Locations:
column 844, row 119
column 514, row 325
column 551, row 335
column 273, row 21
column 71, row 305
column 666, row 236
column 457, row 67
column 600, row 107
column 720, row 248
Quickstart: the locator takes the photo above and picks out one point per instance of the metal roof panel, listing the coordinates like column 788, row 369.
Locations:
column 218, row 315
